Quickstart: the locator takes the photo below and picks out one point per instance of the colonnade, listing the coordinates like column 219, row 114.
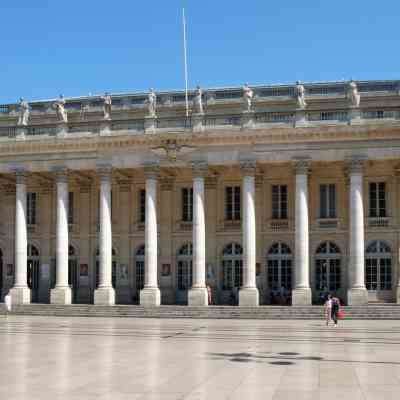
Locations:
column 150, row 295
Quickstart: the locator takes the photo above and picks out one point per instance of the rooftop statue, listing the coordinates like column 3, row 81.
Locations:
column 353, row 95
column 152, row 103
column 24, row 112
column 247, row 97
column 107, row 101
column 59, row 106
column 198, row 101
column 300, row 96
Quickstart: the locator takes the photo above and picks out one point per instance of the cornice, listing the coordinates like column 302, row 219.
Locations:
column 232, row 137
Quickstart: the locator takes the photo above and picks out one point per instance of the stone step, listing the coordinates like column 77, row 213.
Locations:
column 386, row 311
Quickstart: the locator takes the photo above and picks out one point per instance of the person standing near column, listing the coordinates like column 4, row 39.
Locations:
column 248, row 293
column 20, row 293
column 357, row 293
column 150, row 295
column 301, row 295
column 105, row 294
column 61, row 294
column 198, row 295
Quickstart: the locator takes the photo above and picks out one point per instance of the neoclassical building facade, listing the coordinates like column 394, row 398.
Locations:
column 255, row 191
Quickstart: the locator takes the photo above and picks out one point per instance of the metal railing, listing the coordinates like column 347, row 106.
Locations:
column 274, row 117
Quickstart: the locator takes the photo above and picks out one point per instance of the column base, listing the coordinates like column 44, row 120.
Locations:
column 249, row 297
column 61, row 295
column 20, row 295
column 150, row 297
column 398, row 294
column 198, row 297
column 357, row 296
column 104, row 296
column 301, row 297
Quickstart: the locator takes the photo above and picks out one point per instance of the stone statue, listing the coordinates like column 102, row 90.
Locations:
column 300, row 96
column 198, row 101
column 107, row 106
column 248, row 97
column 353, row 95
column 24, row 112
column 59, row 106
column 152, row 103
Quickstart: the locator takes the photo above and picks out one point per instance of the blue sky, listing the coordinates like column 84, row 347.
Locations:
column 77, row 47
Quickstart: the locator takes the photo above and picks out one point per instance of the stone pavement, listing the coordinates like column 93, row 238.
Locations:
column 121, row 358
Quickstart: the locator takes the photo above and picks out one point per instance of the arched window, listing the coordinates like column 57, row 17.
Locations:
column 32, row 251
column 378, row 266
column 184, row 266
column 139, row 267
column 327, row 267
column 232, row 266
column 279, row 266
column 113, row 267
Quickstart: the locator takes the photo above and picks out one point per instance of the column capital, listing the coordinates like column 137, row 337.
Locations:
column 151, row 171
column 104, row 171
column 61, row 174
column 248, row 167
column 355, row 165
column 199, row 169
column 21, row 176
column 302, row 166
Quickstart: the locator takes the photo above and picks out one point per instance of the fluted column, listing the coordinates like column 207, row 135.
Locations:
column 105, row 294
column 357, row 293
column 150, row 295
column 248, row 293
column 61, row 294
column 301, row 295
column 198, row 293
column 20, row 293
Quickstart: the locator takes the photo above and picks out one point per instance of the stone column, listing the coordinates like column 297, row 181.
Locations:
column 20, row 293
column 301, row 295
column 105, row 294
column 198, row 295
column 357, row 293
column 248, row 293
column 61, row 294
column 150, row 295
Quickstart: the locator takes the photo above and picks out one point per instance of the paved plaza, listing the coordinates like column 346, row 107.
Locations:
column 120, row 358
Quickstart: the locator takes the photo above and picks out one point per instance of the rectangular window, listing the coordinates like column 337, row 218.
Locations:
column 142, row 205
column 232, row 203
column 70, row 208
column 327, row 196
column 377, row 199
column 31, row 208
column 187, row 204
column 279, row 201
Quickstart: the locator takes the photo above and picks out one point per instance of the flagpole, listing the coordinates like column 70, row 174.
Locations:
column 185, row 61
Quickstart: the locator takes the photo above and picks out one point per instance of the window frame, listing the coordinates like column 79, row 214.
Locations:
column 233, row 202
column 279, row 201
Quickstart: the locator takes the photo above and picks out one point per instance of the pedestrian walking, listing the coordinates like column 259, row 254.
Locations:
column 209, row 293
column 328, row 309
column 335, row 309
column 7, row 302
